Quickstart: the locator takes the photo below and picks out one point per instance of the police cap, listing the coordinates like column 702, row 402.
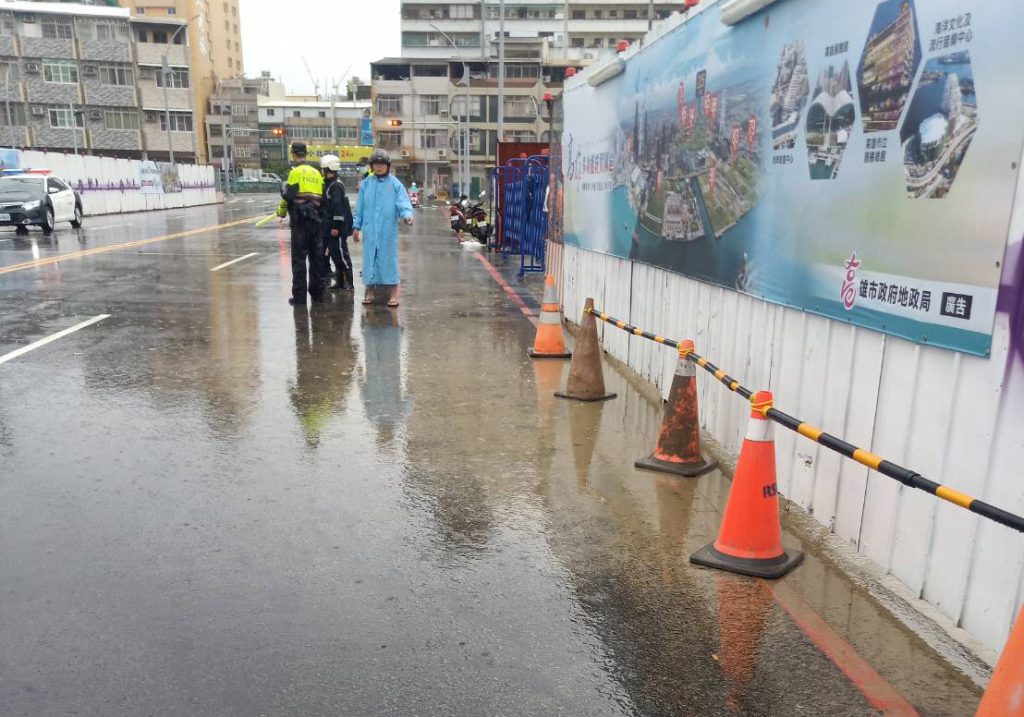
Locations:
column 299, row 149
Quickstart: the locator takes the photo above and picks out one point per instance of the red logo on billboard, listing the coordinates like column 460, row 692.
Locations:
column 707, row 104
column 735, row 144
column 848, row 293
column 714, row 108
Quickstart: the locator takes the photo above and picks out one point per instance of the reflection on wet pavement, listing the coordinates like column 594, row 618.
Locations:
column 216, row 504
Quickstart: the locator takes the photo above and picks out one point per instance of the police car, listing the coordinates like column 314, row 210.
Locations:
column 34, row 197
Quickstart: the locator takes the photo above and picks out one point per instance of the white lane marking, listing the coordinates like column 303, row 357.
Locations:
column 234, row 261
column 53, row 337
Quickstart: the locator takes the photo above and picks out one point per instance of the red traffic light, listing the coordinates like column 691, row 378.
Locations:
column 278, row 131
column 394, row 123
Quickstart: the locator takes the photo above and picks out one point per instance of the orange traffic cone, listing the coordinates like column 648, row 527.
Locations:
column 750, row 537
column 550, row 341
column 678, row 448
column 586, row 378
column 1005, row 694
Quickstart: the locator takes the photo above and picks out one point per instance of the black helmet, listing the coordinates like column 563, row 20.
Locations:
column 299, row 149
column 379, row 156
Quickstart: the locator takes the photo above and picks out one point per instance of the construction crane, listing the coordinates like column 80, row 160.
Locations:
column 316, row 85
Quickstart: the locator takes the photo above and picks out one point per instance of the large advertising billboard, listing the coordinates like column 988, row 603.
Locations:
column 855, row 160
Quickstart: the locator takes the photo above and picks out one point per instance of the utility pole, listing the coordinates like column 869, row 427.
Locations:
column 7, row 101
column 501, row 71
column 650, row 15
column 74, row 127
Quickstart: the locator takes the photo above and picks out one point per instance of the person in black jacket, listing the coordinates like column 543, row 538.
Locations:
column 337, row 224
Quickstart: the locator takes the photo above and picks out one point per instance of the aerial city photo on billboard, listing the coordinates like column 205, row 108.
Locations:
column 825, row 155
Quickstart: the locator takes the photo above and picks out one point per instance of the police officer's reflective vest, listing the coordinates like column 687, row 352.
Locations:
column 304, row 184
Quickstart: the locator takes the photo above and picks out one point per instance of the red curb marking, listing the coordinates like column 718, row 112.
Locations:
column 873, row 686
column 516, row 299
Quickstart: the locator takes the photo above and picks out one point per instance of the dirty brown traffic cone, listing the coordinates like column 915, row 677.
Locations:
column 678, row 447
column 1005, row 694
column 750, row 537
column 742, row 613
column 550, row 340
column 586, row 378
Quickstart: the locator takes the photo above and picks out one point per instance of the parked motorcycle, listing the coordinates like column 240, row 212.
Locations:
column 481, row 227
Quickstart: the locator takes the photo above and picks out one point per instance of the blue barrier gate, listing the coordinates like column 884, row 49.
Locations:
column 520, row 188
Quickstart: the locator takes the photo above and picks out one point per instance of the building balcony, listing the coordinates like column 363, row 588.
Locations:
column 148, row 53
column 448, row 25
column 47, row 47
column 105, row 51
column 611, row 27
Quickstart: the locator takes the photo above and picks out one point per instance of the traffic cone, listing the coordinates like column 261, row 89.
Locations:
column 550, row 341
column 678, row 447
column 742, row 613
column 586, row 379
column 1005, row 694
column 750, row 537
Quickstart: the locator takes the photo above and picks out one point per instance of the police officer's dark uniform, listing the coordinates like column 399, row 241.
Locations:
column 337, row 217
column 300, row 201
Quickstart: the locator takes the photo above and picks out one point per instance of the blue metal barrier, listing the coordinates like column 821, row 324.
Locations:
column 519, row 189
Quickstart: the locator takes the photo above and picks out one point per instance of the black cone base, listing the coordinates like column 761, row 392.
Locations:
column 595, row 399
column 770, row 568
column 687, row 470
column 532, row 354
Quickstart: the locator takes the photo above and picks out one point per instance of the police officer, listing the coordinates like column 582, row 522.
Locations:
column 300, row 201
column 337, row 224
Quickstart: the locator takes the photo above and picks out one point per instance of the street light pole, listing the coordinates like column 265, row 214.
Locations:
column 74, row 127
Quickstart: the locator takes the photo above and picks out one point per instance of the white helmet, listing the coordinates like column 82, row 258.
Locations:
column 331, row 162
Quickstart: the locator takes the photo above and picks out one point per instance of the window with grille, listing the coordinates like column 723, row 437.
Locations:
column 430, row 104
column 121, row 120
column 60, row 71
column 176, row 79
column 7, row 26
column 112, row 31
column 389, row 140
column 389, row 105
column 180, row 122
column 61, row 118
column 520, row 135
column 517, row 72
column 518, row 106
column 17, row 115
column 461, row 12
column 57, row 30
column 432, row 139
column 348, row 132
column 476, row 106
column 116, row 76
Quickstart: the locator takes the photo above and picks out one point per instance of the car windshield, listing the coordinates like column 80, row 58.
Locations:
column 20, row 184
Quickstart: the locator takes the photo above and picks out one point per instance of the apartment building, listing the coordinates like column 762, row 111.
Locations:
column 426, row 96
column 232, row 123
column 73, row 77
column 574, row 29
column 542, row 39
column 214, row 42
column 286, row 119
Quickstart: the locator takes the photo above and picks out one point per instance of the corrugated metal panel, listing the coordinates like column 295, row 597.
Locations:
column 954, row 418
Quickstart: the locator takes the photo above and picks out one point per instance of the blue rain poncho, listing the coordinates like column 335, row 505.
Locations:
column 382, row 202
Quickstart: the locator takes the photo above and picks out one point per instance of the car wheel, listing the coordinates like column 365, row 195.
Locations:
column 48, row 221
column 76, row 223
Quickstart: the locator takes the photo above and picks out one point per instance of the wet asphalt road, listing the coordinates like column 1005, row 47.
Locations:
column 214, row 504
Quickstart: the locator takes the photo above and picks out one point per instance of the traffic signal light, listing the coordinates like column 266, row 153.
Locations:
column 278, row 131
column 394, row 123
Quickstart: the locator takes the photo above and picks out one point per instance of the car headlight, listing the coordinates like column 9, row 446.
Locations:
column 29, row 206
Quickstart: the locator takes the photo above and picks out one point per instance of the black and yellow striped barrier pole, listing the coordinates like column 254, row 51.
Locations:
column 877, row 463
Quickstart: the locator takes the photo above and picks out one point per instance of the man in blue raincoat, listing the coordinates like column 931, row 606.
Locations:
column 382, row 201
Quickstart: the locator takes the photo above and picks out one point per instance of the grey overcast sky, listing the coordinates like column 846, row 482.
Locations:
column 332, row 35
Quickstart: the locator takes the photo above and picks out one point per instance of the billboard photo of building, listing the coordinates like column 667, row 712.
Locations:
column 891, row 57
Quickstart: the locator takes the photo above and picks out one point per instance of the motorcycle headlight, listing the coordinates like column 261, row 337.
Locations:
column 29, row 206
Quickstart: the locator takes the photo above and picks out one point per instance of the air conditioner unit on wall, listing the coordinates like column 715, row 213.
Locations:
column 31, row 67
column 442, row 153
column 38, row 111
column 28, row 19
column 151, row 116
column 95, row 115
column 89, row 70
column 406, row 153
